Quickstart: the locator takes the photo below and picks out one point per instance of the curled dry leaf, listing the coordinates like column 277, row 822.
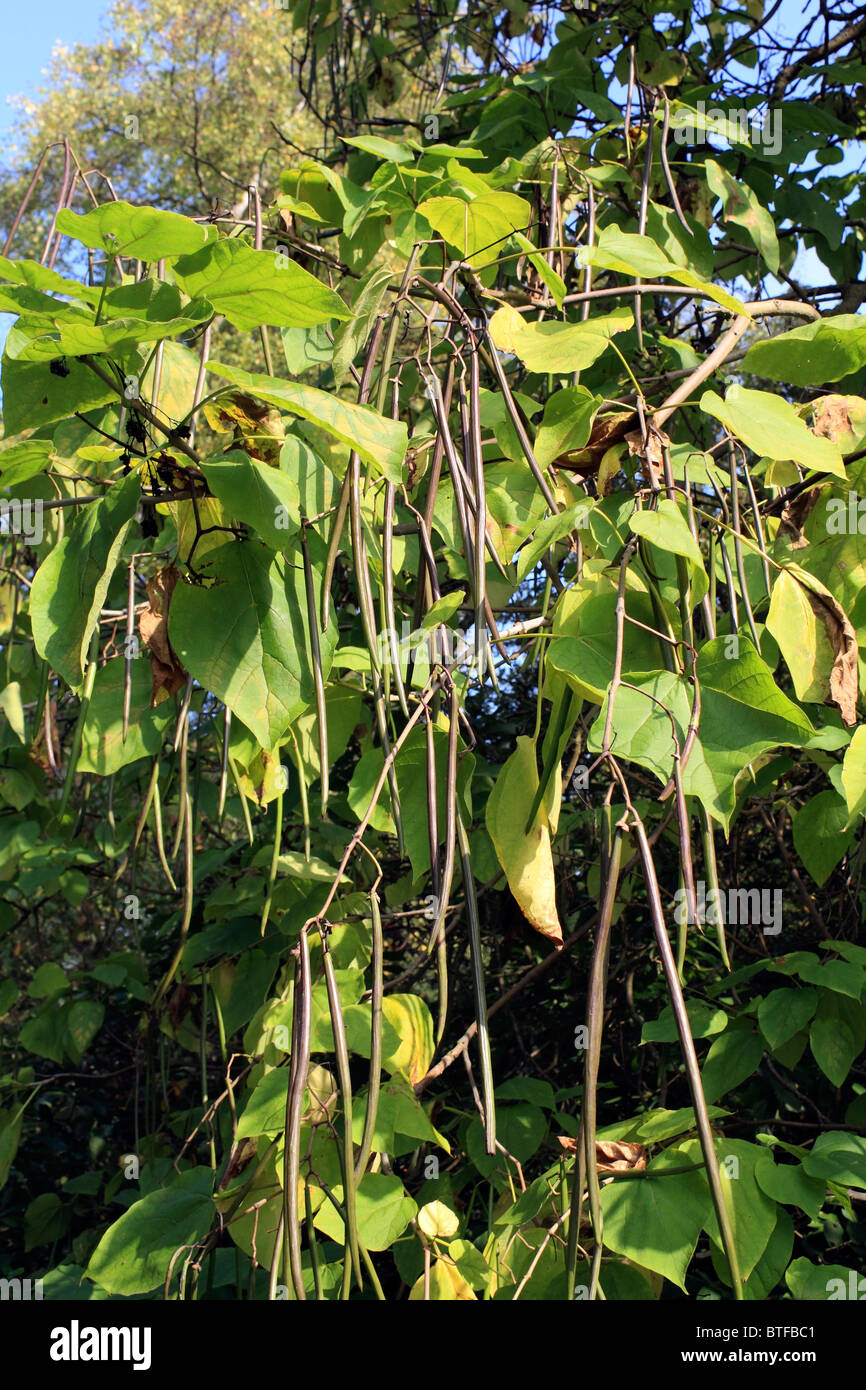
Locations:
column 841, row 419
column 47, row 759
column 840, row 632
column 795, row 515
column 168, row 674
column 652, row 452
column 611, row 1155
column 607, row 430
column 843, row 639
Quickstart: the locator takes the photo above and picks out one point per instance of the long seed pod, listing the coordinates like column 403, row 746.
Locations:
column 129, row 647
column 712, row 872
column 368, row 620
column 148, row 798
column 693, row 1071
column 316, row 652
column 305, row 802
column 738, row 545
column 182, row 799
column 334, row 547
column 444, row 896
column 481, row 605
column 312, row 1243
column 389, row 618
column 186, row 918
column 595, row 1022
column 478, row 987
column 224, row 764
column 377, row 995
column 275, row 860
column 160, row 841
column 75, row 750
column 294, row 1108
column 347, row 1155
column 346, row 490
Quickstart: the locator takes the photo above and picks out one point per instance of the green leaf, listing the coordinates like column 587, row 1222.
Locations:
column 147, row 234
column 10, row 1135
column 258, row 494
column 521, row 1128
column 477, row 229
column 265, row 1111
column 253, row 288
column 854, row 773
column 71, row 583
column 743, row 713
column 566, row 423
column 390, row 150
column 583, row 649
column 791, row 1184
column 365, row 309
column 33, row 396
column 833, row 1046
column 825, row 350
column 667, row 528
column 48, row 980
column 556, row 347
column 384, row 1210
column 23, row 461
column 838, row 1156
column 742, row 208
column 45, row 1221
column 771, row 428
column 753, row 1213
column 655, row 1222
column 413, row 1022
column 783, row 1012
column 378, row 441
column 812, row 1283
column 134, row 1254
column 399, row 1112
column 246, row 639
column 630, row 254
column 734, row 1056
column 809, row 625
column 543, row 269
column 704, row 1020
column 83, row 1022
column 820, row 836
column 9, row 994
column 103, row 749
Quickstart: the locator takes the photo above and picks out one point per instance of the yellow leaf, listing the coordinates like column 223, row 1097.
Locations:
column 526, row 859
column 412, row 1020
column 435, row 1219
column 446, row 1285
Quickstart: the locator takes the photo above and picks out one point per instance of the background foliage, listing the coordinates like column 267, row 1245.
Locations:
column 431, row 604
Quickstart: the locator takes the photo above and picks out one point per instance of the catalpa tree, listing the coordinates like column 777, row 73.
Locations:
column 431, row 592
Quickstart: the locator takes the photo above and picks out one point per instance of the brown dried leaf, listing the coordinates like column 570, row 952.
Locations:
column 652, row 452
column 611, row 1156
column 39, row 748
column 832, row 420
column 168, row 674
column 795, row 514
column 843, row 640
column 607, row 430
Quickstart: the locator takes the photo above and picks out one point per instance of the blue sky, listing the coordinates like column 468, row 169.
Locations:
column 27, row 46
